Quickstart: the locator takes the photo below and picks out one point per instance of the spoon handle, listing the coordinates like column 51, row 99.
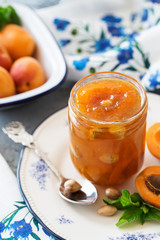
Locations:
column 17, row 132
column 50, row 164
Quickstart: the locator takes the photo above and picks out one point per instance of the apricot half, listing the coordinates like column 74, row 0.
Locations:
column 153, row 139
column 148, row 185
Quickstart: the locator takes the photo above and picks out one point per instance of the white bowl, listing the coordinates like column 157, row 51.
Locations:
column 48, row 54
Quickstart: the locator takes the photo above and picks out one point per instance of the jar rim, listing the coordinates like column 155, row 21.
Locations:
column 117, row 75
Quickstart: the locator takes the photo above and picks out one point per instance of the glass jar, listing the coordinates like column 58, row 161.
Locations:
column 108, row 152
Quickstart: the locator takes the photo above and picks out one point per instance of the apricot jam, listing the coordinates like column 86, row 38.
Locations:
column 107, row 125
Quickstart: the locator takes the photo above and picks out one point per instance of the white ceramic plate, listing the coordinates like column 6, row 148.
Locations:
column 47, row 52
column 62, row 219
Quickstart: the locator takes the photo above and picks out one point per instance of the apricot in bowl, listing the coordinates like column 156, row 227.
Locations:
column 5, row 59
column 27, row 74
column 7, row 86
column 46, row 51
column 17, row 41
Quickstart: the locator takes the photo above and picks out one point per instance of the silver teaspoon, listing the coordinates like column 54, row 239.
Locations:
column 83, row 194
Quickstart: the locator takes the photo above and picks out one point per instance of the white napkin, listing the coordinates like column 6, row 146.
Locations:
column 97, row 36
column 16, row 223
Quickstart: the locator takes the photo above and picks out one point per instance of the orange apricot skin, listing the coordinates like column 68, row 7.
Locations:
column 17, row 41
column 153, row 140
column 7, row 86
column 146, row 194
column 27, row 74
column 5, row 59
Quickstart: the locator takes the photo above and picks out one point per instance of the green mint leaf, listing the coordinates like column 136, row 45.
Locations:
column 135, row 197
column 125, row 198
column 115, row 203
column 131, row 214
column 153, row 214
column 8, row 15
column 145, row 209
column 142, row 218
column 134, row 208
column 125, row 201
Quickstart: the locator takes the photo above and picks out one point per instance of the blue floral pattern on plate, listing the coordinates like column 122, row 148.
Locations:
column 136, row 236
column 40, row 171
column 63, row 220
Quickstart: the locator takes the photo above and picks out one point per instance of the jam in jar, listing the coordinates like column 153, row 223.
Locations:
column 107, row 125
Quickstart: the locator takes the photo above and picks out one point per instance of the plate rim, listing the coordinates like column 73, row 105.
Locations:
column 58, row 237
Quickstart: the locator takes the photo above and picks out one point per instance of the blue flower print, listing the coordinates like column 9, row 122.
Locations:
column 44, row 230
column 111, row 19
column 61, row 24
column 141, row 76
column 155, row 80
column 116, row 31
column 20, row 229
column 80, row 64
column 144, row 16
column 132, row 36
column 51, row 237
column 133, row 16
column 64, row 42
column 2, row 227
column 155, row 1
column 125, row 54
column 101, row 45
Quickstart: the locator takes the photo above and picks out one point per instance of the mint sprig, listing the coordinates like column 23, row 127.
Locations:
column 8, row 15
column 134, row 208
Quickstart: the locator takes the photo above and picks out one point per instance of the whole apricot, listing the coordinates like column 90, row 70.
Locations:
column 27, row 74
column 5, row 59
column 17, row 41
column 7, row 86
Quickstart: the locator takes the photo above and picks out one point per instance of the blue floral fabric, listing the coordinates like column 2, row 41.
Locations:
column 20, row 229
column 21, row 225
column 112, row 42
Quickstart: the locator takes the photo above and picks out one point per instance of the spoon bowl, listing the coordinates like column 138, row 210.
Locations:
column 86, row 195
